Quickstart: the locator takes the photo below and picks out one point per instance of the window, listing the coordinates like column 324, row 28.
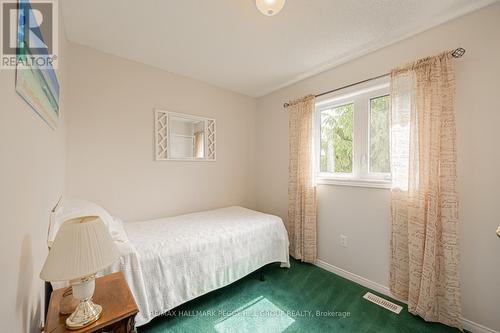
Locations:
column 336, row 139
column 379, row 135
column 353, row 136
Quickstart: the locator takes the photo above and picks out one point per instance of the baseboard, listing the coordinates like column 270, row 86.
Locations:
column 473, row 327
column 468, row 324
column 355, row 278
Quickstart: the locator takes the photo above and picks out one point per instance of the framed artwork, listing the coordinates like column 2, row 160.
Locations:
column 37, row 85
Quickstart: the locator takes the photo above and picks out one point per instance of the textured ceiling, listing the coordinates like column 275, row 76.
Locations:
column 228, row 43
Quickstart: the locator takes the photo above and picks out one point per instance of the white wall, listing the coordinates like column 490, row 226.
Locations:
column 363, row 213
column 32, row 177
column 110, row 140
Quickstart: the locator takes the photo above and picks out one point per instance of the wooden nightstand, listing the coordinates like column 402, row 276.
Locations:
column 113, row 294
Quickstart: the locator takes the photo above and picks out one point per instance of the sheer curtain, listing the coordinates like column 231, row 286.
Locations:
column 424, row 204
column 199, row 144
column 301, row 222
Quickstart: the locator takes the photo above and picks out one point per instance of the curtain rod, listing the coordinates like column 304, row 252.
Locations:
column 457, row 53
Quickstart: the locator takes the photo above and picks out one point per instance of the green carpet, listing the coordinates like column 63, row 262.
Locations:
column 289, row 301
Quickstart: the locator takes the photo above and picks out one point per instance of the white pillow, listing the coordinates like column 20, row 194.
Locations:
column 117, row 230
column 73, row 208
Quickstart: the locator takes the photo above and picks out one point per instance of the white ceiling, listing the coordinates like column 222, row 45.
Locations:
column 228, row 43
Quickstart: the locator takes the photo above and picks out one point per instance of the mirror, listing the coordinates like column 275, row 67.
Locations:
column 187, row 138
column 184, row 137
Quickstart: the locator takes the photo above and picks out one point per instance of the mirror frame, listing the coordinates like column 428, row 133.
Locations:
column 162, row 136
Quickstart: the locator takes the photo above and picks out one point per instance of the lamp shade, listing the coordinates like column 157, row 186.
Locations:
column 82, row 246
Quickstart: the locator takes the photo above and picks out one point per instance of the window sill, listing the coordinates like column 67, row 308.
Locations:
column 384, row 184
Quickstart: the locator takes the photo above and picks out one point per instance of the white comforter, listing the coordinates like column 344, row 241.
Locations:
column 172, row 260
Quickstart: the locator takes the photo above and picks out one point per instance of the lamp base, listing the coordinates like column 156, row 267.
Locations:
column 86, row 313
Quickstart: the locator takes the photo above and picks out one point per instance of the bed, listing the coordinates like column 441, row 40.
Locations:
column 170, row 261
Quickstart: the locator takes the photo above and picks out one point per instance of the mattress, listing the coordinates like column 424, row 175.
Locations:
column 170, row 261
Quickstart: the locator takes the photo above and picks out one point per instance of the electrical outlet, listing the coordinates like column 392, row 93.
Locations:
column 343, row 240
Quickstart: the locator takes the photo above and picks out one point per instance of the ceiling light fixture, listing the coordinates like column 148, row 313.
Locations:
column 270, row 7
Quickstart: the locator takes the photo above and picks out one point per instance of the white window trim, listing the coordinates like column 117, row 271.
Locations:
column 384, row 184
column 360, row 95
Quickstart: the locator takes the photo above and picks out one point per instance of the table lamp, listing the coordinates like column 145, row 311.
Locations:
column 82, row 247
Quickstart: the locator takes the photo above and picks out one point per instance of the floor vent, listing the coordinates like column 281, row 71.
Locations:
column 383, row 303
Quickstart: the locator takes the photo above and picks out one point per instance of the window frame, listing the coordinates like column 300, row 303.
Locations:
column 361, row 96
